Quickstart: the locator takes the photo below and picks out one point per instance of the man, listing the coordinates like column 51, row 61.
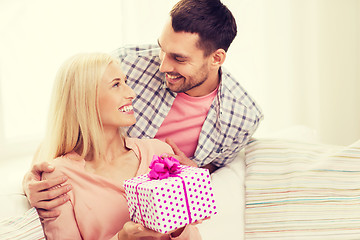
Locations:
column 184, row 96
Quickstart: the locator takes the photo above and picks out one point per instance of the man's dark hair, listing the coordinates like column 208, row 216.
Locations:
column 211, row 19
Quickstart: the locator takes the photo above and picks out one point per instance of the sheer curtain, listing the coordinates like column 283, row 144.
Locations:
column 298, row 58
column 143, row 20
column 36, row 37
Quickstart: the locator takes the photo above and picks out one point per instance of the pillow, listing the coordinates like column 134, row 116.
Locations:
column 13, row 205
column 17, row 219
column 25, row 227
column 299, row 190
column 12, row 199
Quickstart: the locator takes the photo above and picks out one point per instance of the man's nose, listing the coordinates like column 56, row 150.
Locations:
column 166, row 63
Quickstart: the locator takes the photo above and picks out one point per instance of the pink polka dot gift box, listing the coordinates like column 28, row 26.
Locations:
column 170, row 196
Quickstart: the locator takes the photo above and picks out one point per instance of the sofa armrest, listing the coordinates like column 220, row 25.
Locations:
column 13, row 202
column 229, row 190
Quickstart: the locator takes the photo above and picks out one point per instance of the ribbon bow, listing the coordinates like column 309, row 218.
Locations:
column 163, row 167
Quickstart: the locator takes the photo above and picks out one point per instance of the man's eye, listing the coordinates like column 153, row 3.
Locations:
column 179, row 60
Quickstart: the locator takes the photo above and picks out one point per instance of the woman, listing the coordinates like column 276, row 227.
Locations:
column 91, row 103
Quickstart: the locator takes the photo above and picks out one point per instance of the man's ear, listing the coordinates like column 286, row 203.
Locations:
column 218, row 58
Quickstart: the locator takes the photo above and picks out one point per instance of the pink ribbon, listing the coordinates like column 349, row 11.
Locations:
column 163, row 167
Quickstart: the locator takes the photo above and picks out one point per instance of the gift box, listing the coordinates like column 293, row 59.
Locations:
column 170, row 196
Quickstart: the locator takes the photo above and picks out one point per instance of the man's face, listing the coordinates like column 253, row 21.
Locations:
column 185, row 67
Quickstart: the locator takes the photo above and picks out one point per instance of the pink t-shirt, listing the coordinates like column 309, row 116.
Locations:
column 184, row 121
column 97, row 208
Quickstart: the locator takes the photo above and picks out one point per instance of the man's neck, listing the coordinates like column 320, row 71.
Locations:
column 210, row 84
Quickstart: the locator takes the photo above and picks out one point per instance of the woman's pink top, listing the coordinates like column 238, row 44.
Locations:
column 97, row 208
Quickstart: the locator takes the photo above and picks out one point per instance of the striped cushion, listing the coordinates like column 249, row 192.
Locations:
column 297, row 190
column 25, row 227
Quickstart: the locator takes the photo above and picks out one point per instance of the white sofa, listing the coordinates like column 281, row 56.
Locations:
column 17, row 219
column 234, row 189
column 13, row 203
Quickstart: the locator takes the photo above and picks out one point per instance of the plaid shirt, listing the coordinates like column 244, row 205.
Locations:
column 232, row 118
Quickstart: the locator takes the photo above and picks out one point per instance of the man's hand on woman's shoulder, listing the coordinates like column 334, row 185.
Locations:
column 42, row 194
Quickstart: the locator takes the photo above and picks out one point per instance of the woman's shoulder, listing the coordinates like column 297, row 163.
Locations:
column 68, row 159
column 64, row 163
column 149, row 141
column 152, row 145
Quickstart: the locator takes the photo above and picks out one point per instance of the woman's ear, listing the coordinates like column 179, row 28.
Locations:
column 218, row 58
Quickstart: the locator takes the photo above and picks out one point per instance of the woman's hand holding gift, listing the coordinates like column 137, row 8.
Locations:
column 135, row 231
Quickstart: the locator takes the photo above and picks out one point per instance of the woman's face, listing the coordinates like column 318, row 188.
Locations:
column 115, row 99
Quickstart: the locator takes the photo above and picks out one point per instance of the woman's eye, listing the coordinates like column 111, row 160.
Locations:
column 116, row 85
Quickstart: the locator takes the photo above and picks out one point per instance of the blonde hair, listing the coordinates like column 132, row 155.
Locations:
column 74, row 122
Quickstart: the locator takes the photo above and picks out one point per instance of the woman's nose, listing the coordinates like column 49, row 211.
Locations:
column 130, row 92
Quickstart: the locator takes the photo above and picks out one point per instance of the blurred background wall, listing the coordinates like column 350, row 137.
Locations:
column 299, row 59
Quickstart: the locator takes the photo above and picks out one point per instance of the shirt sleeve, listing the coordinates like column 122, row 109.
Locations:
column 229, row 153
column 131, row 50
column 64, row 226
